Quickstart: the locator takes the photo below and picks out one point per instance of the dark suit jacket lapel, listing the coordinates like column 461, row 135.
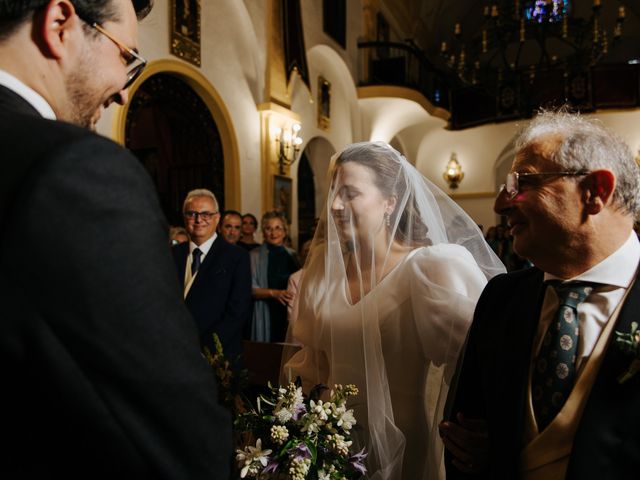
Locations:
column 611, row 411
column 211, row 261
column 510, row 396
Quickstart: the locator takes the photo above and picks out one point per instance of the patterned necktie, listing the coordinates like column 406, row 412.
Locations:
column 555, row 366
column 195, row 260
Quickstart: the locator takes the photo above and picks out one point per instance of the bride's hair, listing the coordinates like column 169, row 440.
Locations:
column 391, row 179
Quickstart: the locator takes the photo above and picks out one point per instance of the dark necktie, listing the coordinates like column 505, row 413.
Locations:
column 195, row 260
column 555, row 367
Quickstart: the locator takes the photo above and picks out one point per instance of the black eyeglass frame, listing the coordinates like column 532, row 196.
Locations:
column 512, row 184
column 135, row 71
column 206, row 216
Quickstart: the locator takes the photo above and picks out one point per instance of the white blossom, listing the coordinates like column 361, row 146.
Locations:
column 251, row 458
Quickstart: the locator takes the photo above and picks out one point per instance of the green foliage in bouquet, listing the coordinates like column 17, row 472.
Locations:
column 231, row 383
column 290, row 436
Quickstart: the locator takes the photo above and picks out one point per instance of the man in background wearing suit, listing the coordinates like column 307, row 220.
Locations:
column 100, row 363
column 216, row 276
column 542, row 392
column 230, row 226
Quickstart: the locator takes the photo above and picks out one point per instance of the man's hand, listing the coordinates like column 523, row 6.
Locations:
column 468, row 442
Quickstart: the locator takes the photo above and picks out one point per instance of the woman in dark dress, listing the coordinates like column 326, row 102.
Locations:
column 249, row 226
column 271, row 265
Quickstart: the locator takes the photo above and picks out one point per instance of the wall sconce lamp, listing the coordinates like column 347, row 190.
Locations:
column 288, row 143
column 453, row 174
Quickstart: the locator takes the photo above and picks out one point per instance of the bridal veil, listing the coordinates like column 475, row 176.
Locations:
column 386, row 298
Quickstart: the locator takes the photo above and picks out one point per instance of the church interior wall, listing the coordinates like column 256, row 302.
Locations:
column 234, row 61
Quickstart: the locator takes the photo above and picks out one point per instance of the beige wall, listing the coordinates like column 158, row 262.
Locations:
column 234, row 53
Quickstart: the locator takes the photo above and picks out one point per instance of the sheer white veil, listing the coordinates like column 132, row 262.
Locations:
column 388, row 241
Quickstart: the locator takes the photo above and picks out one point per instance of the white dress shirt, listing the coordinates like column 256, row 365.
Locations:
column 204, row 248
column 615, row 274
column 36, row 100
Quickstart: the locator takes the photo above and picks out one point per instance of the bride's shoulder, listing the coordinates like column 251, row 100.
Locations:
column 441, row 253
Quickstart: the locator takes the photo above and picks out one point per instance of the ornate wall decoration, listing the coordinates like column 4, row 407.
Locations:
column 282, row 195
column 185, row 30
column 324, row 103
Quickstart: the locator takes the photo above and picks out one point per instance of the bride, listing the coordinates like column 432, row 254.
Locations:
column 386, row 297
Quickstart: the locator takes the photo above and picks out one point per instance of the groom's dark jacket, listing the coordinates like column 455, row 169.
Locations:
column 102, row 375
column 493, row 385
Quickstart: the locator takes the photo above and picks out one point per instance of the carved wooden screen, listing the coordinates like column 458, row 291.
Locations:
column 171, row 130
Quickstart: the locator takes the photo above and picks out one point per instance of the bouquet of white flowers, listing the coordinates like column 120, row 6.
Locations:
column 290, row 436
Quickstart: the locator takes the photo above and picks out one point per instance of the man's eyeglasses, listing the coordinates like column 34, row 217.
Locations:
column 128, row 55
column 515, row 179
column 206, row 216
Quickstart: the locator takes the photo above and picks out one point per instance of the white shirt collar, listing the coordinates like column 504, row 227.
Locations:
column 204, row 247
column 618, row 269
column 36, row 100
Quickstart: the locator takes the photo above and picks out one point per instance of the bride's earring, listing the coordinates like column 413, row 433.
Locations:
column 387, row 219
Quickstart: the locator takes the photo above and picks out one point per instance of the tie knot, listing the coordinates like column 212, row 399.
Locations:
column 573, row 293
column 196, row 253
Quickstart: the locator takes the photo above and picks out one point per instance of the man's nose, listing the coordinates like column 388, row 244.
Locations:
column 121, row 97
column 503, row 202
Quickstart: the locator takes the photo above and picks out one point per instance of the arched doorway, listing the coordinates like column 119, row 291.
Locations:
column 306, row 200
column 171, row 130
column 312, row 185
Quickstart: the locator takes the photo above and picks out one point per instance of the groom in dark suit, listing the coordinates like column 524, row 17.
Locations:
column 216, row 276
column 542, row 390
column 101, row 371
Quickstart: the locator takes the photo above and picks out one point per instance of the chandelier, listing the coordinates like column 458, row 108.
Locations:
column 504, row 59
column 527, row 37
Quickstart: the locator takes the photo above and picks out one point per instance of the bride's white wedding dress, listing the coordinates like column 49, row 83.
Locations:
column 421, row 311
column 398, row 338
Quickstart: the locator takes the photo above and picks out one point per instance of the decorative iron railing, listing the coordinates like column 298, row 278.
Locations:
column 508, row 97
column 402, row 64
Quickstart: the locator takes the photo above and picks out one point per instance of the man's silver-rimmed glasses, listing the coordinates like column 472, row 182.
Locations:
column 129, row 55
column 512, row 184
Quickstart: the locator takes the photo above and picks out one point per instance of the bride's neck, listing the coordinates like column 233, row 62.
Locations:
column 375, row 256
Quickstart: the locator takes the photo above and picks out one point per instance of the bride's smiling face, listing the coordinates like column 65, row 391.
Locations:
column 357, row 202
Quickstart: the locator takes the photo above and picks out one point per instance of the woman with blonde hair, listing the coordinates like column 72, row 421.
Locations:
column 271, row 265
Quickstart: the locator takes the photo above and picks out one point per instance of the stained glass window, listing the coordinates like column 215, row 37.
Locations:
column 550, row 11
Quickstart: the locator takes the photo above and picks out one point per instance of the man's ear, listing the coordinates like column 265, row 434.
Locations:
column 56, row 22
column 598, row 190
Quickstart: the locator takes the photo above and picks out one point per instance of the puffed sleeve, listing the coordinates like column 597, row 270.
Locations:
column 445, row 284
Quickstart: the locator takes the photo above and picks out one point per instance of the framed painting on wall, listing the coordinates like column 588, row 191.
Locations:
column 185, row 30
column 282, row 195
column 324, row 103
